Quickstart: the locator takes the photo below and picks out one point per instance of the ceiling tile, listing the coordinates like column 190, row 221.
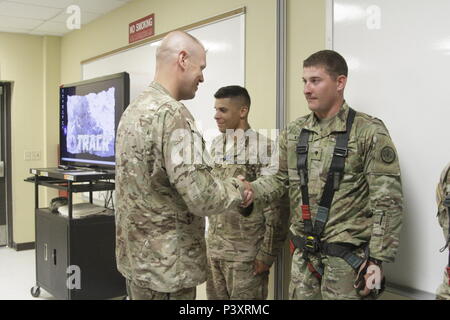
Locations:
column 50, row 27
column 20, row 10
column 99, row 6
column 45, row 33
column 19, row 23
column 60, row 4
column 14, row 30
column 86, row 17
column 25, row 15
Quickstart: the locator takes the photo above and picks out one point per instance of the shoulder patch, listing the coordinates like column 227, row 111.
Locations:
column 388, row 154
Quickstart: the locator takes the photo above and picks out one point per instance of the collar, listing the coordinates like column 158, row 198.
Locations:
column 337, row 124
column 157, row 86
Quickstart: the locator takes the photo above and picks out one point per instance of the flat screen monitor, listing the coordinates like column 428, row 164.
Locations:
column 90, row 111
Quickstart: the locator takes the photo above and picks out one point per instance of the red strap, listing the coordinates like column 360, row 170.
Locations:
column 448, row 274
column 314, row 271
column 291, row 247
column 306, row 213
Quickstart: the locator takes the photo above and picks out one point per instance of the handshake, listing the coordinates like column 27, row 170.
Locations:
column 246, row 207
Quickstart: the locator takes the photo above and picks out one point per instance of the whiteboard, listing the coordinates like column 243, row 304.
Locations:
column 399, row 59
column 225, row 44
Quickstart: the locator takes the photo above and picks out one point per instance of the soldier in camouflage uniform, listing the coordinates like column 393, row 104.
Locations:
column 443, row 201
column 163, row 183
column 241, row 249
column 365, row 216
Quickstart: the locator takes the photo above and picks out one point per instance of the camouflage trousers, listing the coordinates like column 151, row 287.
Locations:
column 234, row 280
column 336, row 283
column 138, row 293
column 443, row 292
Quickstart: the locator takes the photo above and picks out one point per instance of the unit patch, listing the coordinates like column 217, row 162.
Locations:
column 388, row 154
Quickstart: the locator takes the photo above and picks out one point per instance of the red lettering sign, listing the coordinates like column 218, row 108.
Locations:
column 141, row 29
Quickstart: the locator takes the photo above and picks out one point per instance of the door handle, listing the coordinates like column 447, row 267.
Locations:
column 2, row 169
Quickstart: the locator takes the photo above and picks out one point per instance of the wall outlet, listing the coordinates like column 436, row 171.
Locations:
column 36, row 155
column 27, row 155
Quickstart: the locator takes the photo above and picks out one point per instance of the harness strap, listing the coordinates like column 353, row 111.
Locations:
column 341, row 250
column 302, row 162
column 344, row 251
column 334, row 176
column 317, row 272
column 312, row 243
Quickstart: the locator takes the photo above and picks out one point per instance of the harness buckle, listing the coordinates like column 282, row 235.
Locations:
column 312, row 244
column 302, row 148
column 341, row 152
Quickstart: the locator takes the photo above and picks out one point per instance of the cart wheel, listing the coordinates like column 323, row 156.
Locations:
column 35, row 291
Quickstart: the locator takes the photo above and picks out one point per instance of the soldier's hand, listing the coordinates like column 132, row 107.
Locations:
column 372, row 277
column 260, row 267
column 248, row 193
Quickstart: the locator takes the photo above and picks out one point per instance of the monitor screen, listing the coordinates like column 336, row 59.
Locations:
column 89, row 114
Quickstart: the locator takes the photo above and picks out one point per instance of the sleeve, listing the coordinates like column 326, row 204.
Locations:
column 274, row 180
column 215, row 151
column 382, row 171
column 277, row 224
column 188, row 166
column 442, row 214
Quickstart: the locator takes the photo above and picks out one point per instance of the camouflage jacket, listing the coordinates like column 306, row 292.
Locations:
column 368, row 207
column 163, row 191
column 231, row 236
column 443, row 191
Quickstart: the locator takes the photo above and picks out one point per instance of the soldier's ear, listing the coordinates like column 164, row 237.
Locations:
column 182, row 59
column 244, row 112
column 341, row 82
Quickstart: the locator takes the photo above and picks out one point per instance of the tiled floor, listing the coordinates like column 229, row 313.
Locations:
column 17, row 276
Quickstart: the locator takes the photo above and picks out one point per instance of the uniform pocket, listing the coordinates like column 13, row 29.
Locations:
column 353, row 163
column 379, row 227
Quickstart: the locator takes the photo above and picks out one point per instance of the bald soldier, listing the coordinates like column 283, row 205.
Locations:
column 443, row 202
column 163, row 183
column 343, row 177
